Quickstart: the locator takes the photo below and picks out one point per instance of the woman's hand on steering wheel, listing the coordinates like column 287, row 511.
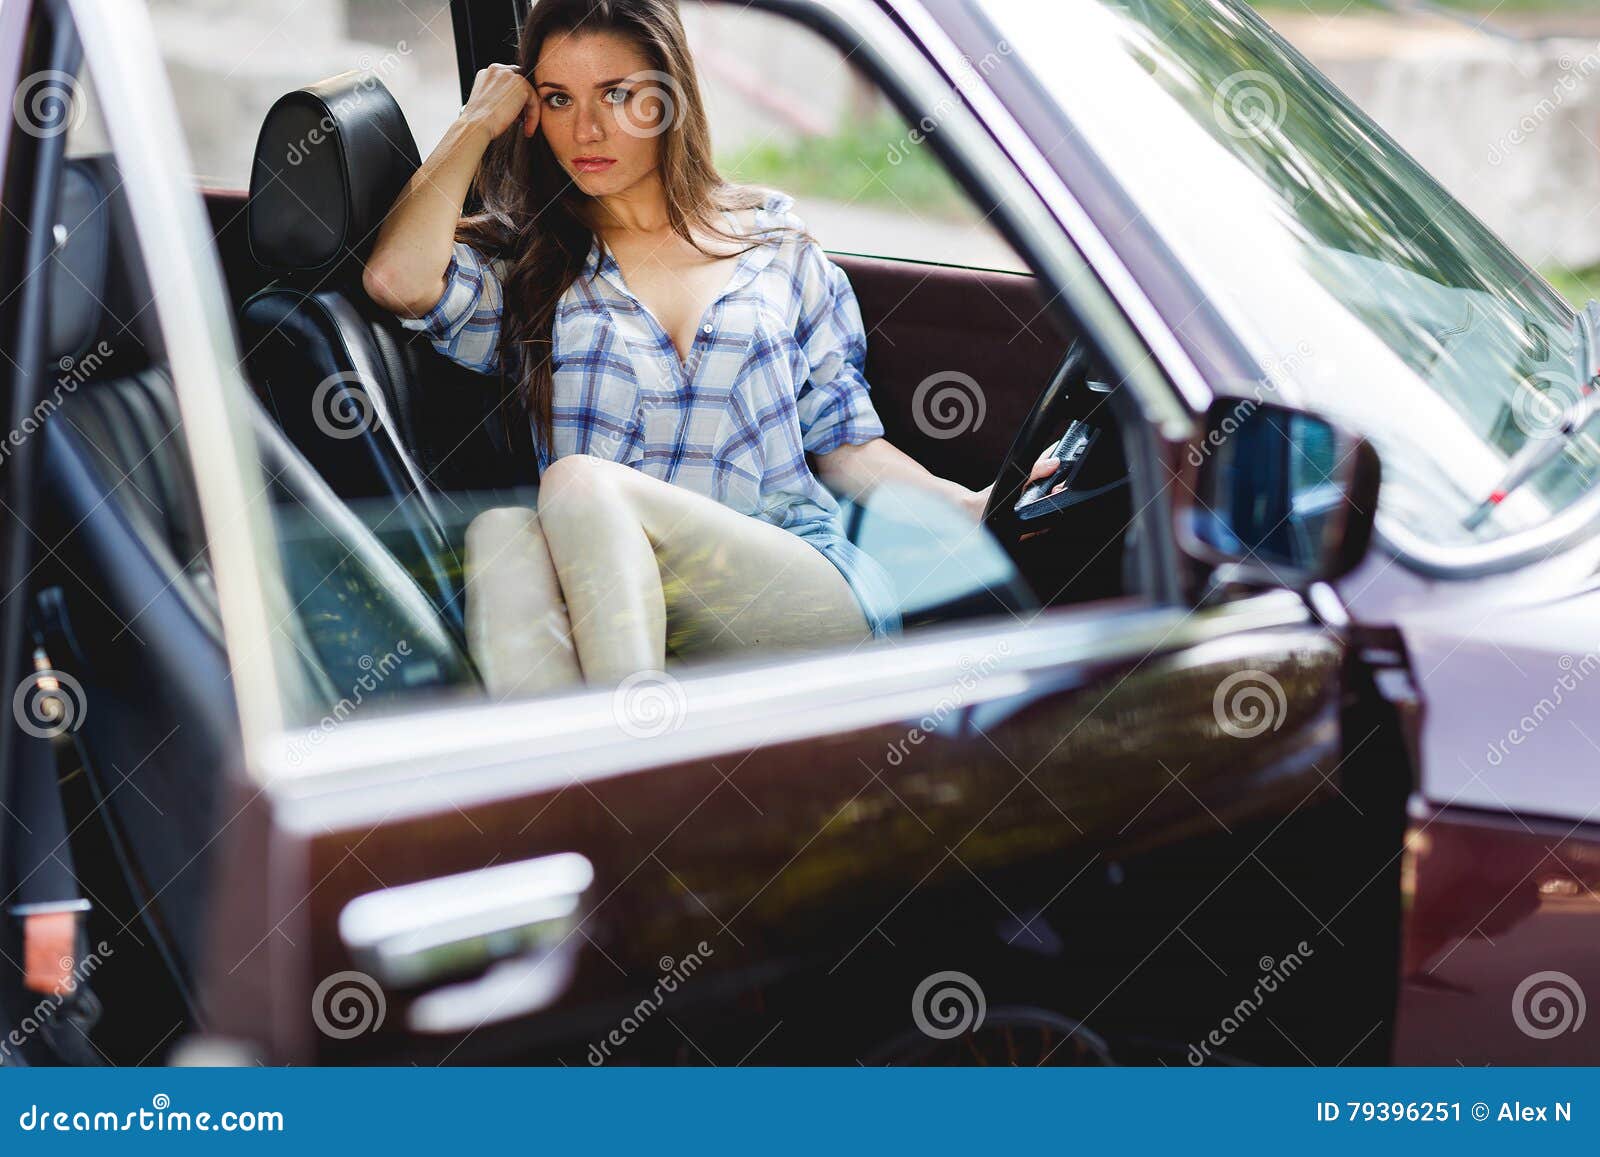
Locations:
column 977, row 501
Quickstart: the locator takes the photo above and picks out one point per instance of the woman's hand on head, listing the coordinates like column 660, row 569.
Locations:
column 501, row 96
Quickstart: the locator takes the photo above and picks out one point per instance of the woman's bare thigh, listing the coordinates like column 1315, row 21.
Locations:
column 733, row 582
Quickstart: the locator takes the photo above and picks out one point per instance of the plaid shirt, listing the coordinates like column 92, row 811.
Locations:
column 775, row 372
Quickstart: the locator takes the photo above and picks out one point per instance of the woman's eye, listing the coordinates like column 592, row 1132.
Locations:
column 551, row 99
column 616, row 95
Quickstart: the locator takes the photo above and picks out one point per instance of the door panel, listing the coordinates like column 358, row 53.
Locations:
column 1039, row 750
column 984, row 340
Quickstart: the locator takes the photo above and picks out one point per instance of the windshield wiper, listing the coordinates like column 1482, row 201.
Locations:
column 1537, row 453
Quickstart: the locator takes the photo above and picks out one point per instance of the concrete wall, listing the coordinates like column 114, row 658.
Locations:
column 1511, row 127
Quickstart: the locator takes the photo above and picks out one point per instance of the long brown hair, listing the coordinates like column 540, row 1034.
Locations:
column 537, row 219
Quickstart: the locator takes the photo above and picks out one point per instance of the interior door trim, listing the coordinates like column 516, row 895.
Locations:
column 372, row 771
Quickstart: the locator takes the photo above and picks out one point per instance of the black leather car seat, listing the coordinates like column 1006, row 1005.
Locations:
column 374, row 408
column 124, row 595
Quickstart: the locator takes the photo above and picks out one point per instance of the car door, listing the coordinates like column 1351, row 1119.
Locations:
column 767, row 824
column 775, row 858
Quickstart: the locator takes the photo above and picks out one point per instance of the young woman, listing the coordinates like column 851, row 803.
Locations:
column 681, row 345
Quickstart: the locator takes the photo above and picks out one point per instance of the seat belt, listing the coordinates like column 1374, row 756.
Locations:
column 46, row 898
column 46, row 901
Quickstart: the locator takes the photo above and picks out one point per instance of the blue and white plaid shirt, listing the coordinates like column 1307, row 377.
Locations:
column 775, row 372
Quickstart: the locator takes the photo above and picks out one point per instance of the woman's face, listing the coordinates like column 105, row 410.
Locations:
column 602, row 109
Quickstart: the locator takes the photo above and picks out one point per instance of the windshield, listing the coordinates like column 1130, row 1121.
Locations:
column 1368, row 293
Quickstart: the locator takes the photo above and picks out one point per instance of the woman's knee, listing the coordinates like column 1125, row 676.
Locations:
column 491, row 527
column 576, row 487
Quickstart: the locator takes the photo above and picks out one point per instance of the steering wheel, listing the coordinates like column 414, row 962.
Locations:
column 1043, row 422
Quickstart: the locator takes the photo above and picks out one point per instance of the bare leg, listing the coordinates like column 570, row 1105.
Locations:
column 639, row 558
column 607, row 568
column 518, row 629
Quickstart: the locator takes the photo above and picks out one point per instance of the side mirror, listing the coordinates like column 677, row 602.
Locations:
column 1279, row 496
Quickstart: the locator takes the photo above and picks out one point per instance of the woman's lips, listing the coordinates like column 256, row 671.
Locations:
column 592, row 164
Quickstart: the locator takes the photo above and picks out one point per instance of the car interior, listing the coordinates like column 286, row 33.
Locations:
column 371, row 514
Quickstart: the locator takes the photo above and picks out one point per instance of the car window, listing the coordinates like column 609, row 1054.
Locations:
column 1365, row 288
column 788, row 109
column 410, row 515
column 228, row 62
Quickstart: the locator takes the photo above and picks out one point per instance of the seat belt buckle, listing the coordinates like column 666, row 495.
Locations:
column 51, row 935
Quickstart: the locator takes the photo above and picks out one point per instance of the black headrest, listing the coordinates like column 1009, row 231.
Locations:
column 97, row 288
column 82, row 249
column 332, row 157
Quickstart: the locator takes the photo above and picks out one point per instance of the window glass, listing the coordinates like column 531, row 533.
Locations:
column 1369, row 289
column 423, row 551
column 788, row 110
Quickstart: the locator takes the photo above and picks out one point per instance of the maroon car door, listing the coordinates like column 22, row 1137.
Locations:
column 495, row 882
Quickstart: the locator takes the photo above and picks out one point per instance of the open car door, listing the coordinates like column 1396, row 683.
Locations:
column 774, row 861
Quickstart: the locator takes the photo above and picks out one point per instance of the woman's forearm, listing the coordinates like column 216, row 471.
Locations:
column 405, row 272
column 854, row 470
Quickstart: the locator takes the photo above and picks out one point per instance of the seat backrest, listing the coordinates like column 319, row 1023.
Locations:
column 373, row 407
column 125, row 595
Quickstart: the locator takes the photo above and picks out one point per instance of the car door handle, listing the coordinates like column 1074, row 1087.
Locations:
column 425, row 933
